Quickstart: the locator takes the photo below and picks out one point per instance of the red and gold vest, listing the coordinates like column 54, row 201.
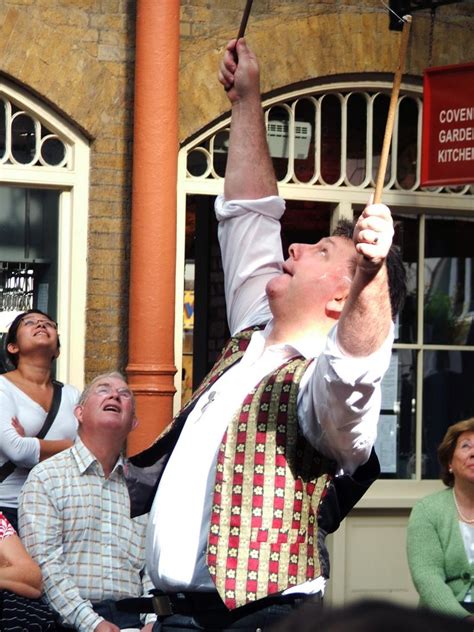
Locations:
column 269, row 487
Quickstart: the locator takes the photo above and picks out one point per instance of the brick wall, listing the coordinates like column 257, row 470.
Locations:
column 78, row 55
column 299, row 40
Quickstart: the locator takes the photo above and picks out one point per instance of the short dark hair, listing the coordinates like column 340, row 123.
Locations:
column 448, row 445
column 11, row 336
column 397, row 276
column 370, row 615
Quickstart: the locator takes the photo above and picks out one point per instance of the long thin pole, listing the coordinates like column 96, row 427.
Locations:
column 391, row 110
column 245, row 19
column 243, row 26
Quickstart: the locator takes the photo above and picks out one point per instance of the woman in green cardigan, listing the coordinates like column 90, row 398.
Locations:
column 440, row 539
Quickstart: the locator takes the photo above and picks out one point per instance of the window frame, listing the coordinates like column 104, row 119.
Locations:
column 72, row 180
column 389, row 492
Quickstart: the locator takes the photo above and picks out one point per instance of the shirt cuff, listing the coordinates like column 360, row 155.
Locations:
column 87, row 620
column 271, row 206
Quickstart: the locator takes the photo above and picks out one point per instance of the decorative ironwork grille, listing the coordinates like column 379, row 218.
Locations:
column 331, row 140
column 26, row 141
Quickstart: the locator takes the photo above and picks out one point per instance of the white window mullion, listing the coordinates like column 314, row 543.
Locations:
column 420, row 352
column 8, row 131
column 393, row 153
column 343, row 169
column 419, row 131
column 317, row 141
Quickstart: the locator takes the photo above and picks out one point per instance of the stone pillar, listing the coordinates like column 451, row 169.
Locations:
column 151, row 365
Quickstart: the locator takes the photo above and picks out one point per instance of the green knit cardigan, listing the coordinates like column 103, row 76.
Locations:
column 436, row 556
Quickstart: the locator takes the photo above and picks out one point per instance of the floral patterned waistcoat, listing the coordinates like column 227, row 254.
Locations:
column 270, row 484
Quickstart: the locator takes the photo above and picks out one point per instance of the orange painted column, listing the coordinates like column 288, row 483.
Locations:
column 151, row 365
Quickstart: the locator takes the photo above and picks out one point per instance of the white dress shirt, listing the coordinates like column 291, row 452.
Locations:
column 338, row 401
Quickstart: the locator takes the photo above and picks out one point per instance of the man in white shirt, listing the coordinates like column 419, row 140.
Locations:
column 275, row 446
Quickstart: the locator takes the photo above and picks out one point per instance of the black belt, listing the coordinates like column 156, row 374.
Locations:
column 194, row 603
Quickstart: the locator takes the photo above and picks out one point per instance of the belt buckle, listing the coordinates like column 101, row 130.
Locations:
column 162, row 605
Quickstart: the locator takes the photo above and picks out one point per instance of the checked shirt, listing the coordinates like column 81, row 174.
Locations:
column 75, row 523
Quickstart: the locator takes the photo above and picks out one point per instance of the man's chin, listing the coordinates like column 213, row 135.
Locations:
column 276, row 286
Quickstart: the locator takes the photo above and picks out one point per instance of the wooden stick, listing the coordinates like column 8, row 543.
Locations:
column 245, row 19
column 391, row 111
column 243, row 26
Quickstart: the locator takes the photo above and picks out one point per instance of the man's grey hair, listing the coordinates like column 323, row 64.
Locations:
column 103, row 376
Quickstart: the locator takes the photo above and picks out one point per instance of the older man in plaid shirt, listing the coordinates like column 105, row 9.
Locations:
column 75, row 520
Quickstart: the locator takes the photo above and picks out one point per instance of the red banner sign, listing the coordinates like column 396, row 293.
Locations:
column 447, row 152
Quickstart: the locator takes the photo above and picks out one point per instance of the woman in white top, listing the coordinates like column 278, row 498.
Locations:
column 26, row 394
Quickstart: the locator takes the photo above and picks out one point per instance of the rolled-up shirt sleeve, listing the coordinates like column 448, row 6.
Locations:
column 339, row 404
column 249, row 237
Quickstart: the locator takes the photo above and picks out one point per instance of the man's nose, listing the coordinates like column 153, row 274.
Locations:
column 296, row 250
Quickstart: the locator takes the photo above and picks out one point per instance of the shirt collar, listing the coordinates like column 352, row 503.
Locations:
column 85, row 458
column 308, row 346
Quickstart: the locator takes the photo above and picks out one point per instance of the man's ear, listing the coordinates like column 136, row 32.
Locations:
column 134, row 422
column 78, row 413
column 334, row 307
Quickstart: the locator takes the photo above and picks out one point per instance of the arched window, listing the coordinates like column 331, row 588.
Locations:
column 325, row 142
column 44, row 165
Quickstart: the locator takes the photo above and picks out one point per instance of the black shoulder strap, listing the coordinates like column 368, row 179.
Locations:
column 6, row 469
column 9, row 467
column 53, row 411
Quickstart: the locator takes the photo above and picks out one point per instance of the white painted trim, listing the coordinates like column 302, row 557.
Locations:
column 179, row 284
column 397, row 493
column 73, row 182
column 79, row 210
column 47, row 177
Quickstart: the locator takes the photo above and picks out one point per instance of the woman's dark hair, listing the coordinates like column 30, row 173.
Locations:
column 13, row 329
column 448, row 445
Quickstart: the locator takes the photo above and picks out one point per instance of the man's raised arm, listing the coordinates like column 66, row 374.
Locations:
column 249, row 212
column 366, row 318
column 249, row 172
